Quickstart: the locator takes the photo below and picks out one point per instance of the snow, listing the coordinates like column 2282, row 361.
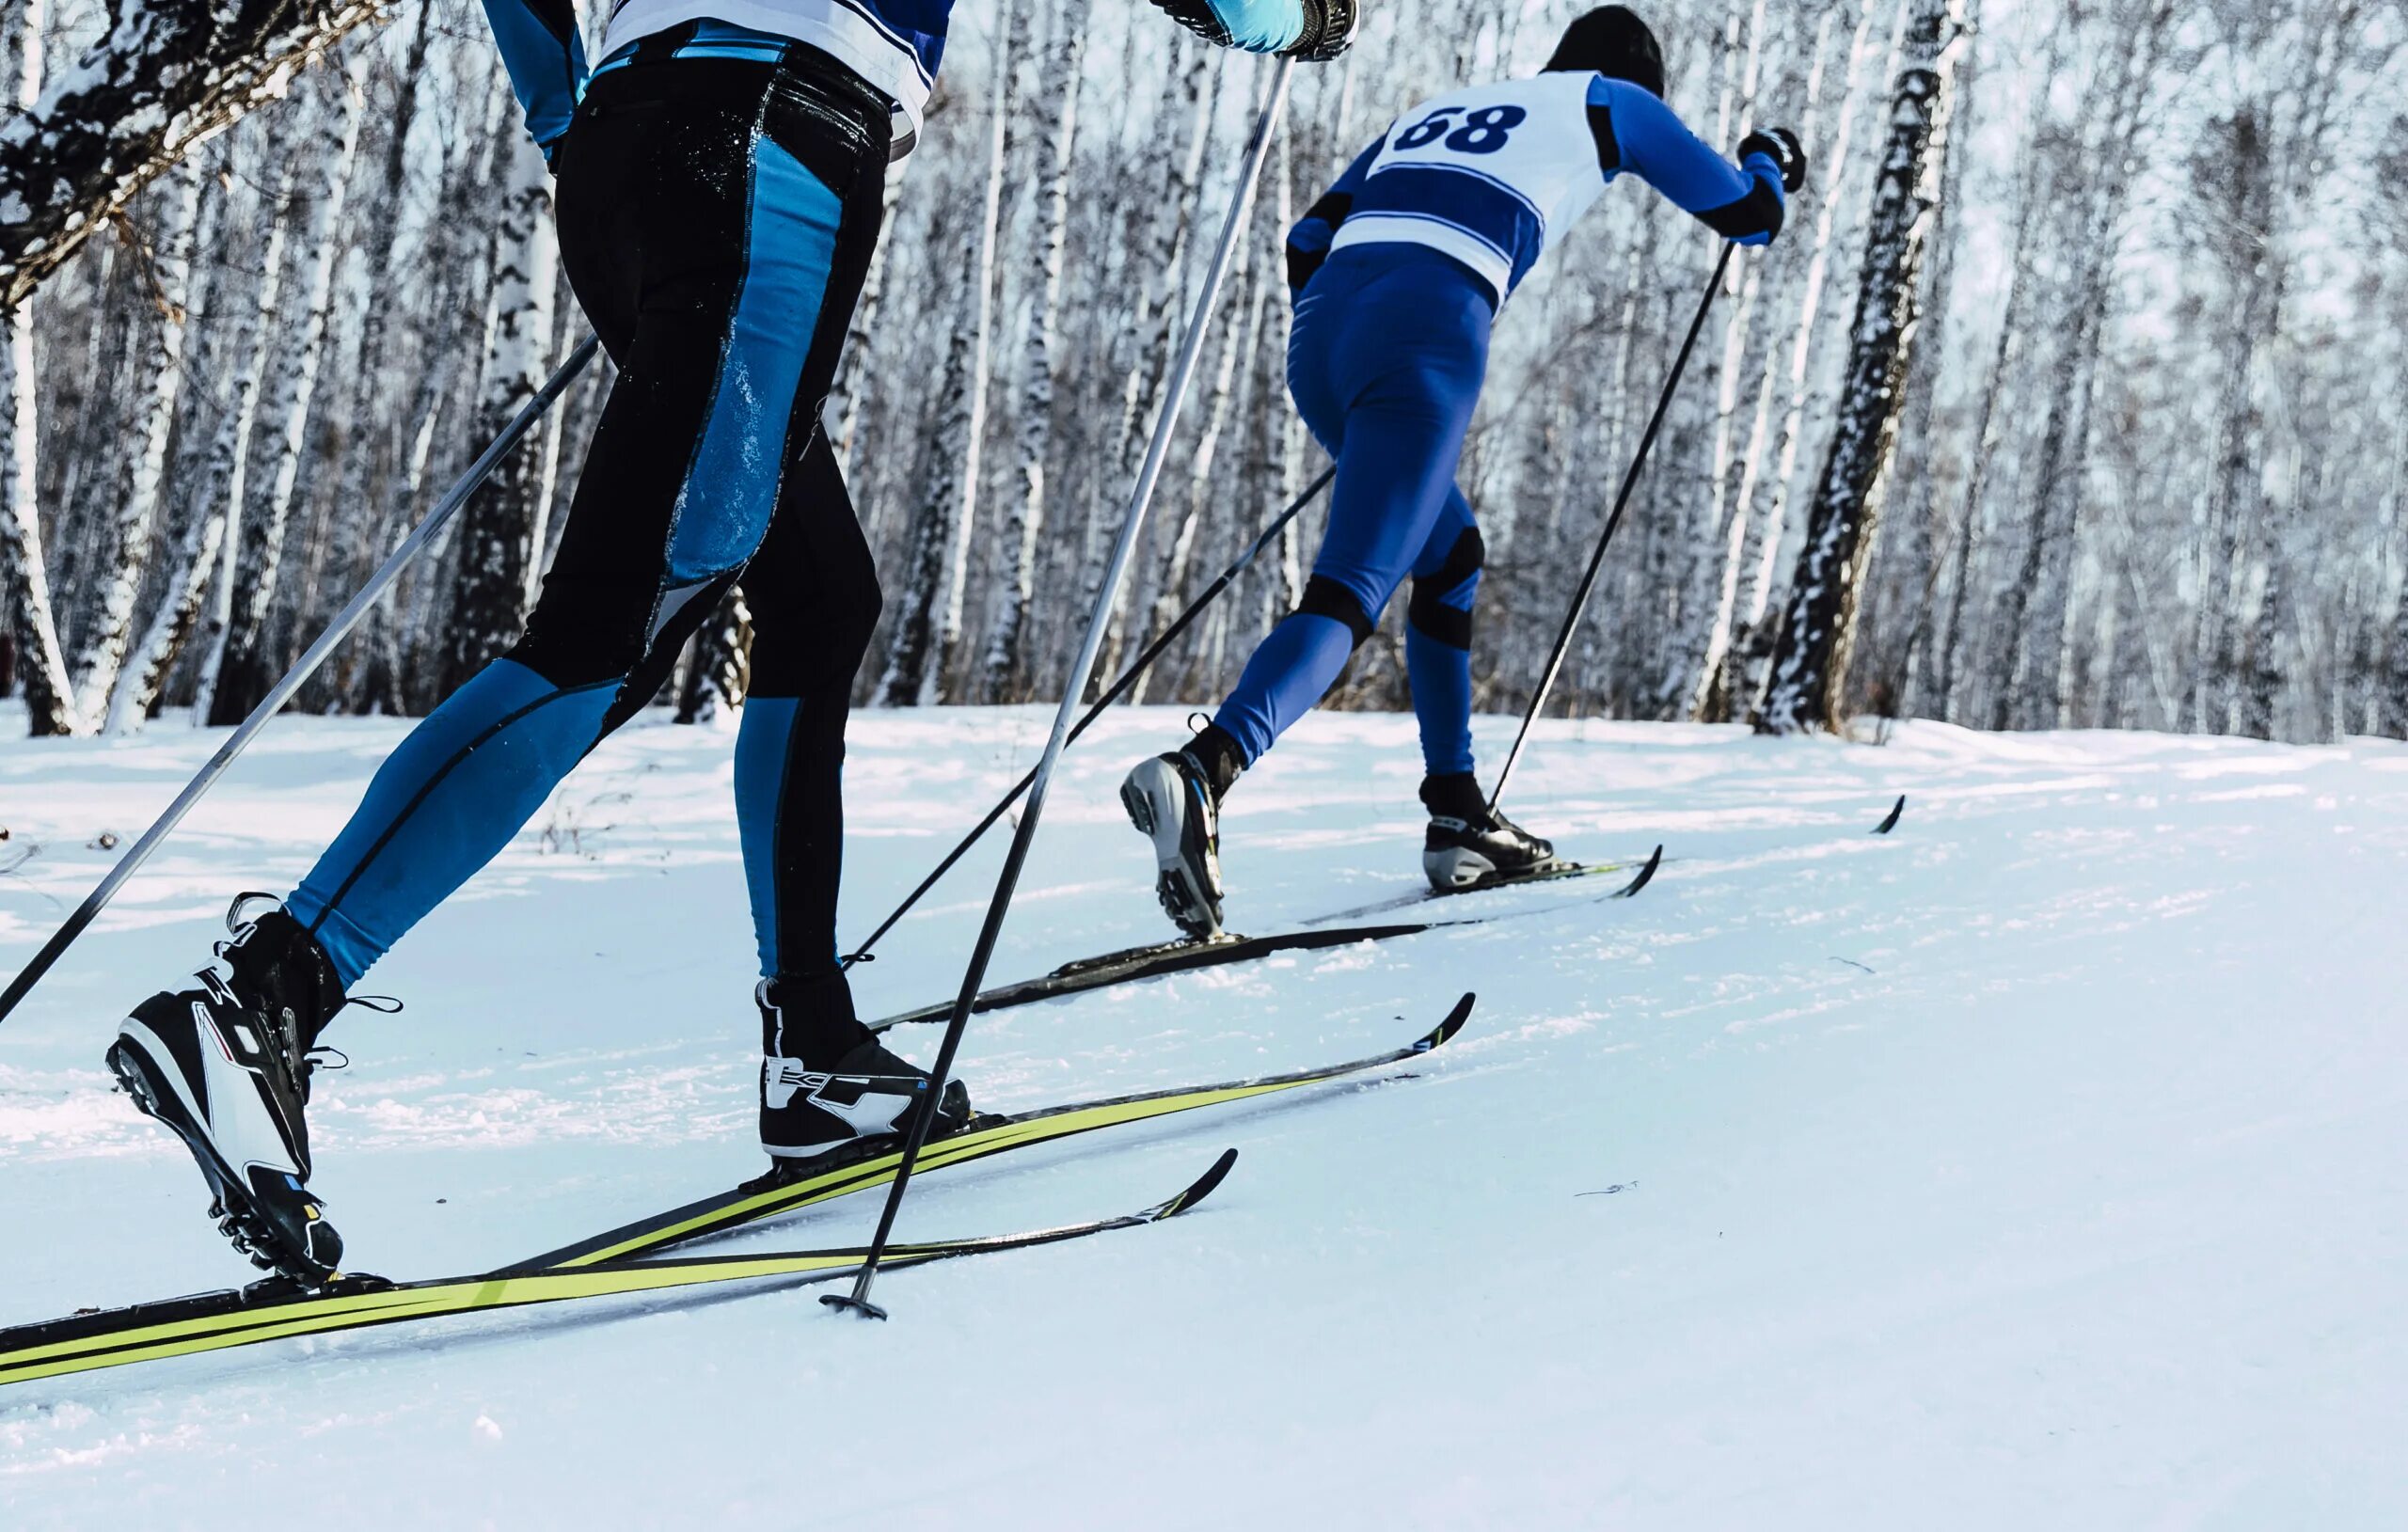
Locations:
column 2038, row 1165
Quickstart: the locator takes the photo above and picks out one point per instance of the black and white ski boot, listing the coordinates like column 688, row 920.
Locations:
column 827, row 1085
column 1470, row 843
column 227, row 1067
column 1175, row 800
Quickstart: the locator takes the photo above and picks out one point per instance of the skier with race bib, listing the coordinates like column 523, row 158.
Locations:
column 1397, row 273
column 721, row 189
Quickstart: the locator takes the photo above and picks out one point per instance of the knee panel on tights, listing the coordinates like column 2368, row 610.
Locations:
column 1327, row 597
column 1433, row 609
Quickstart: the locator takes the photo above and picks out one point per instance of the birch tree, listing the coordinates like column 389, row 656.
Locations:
column 246, row 664
column 108, row 632
column 25, row 611
column 927, row 622
column 1059, row 71
column 161, row 79
column 1810, row 662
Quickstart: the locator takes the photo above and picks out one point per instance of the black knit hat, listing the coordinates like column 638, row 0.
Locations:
column 1613, row 40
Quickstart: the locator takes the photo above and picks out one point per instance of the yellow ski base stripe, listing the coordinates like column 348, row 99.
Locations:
column 974, row 1144
column 468, row 1295
column 222, row 1328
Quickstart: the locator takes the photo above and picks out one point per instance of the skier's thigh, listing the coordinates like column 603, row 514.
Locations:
column 813, row 589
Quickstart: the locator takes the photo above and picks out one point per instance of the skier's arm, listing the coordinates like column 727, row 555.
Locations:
column 1310, row 29
column 1308, row 241
column 1636, row 131
column 545, row 54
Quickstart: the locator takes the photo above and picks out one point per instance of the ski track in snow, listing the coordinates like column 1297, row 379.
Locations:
column 2040, row 1164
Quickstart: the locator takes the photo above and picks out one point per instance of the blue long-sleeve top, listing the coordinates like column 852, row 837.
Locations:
column 545, row 52
column 1634, row 132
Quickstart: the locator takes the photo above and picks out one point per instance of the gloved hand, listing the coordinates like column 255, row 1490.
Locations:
column 1314, row 31
column 1779, row 146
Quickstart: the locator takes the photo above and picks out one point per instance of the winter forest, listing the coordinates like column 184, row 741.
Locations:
column 2074, row 395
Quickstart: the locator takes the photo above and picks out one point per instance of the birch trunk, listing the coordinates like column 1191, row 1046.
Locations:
column 927, row 626
column 162, row 78
column 500, row 532
column 237, row 326
column 1765, row 530
column 104, row 650
column 26, row 614
column 367, row 464
column 1004, row 668
column 247, row 665
column 1170, row 590
column 1947, row 646
column 1159, row 261
column 1810, row 661
column 2037, row 608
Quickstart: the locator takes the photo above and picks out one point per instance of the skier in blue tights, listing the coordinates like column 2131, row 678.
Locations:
column 1397, row 273
column 722, row 181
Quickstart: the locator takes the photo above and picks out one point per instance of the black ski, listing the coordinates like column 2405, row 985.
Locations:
column 1131, row 964
column 1153, row 962
column 1554, row 873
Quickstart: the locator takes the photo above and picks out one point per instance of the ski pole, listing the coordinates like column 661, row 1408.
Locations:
column 278, row 695
column 1107, row 595
column 1112, row 694
column 1613, row 519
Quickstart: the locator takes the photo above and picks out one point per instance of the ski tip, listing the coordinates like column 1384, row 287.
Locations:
column 1443, row 1032
column 1886, row 826
column 1646, row 876
column 1203, row 1187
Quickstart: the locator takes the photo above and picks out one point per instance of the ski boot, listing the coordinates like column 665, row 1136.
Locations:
column 1175, row 800
column 827, row 1085
column 227, row 1067
column 1470, row 843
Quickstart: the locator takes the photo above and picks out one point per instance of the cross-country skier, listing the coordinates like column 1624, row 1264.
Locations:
column 719, row 193
column 1397, row 273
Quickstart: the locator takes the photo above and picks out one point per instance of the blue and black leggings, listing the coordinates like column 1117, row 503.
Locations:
column 716, row 218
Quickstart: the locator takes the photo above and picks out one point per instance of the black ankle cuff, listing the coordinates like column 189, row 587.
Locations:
column 1455, row 794
column 283, row 966
column 810, row 1018
column 1223, row 759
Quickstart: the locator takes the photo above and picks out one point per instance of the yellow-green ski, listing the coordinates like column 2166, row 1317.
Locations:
column 981, row 1138
column 217, row 1322
column 608, row 1264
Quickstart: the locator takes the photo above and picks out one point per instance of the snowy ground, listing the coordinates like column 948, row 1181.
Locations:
column 2039, row 1166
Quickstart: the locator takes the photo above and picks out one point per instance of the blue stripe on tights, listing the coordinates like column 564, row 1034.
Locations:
column 763, row 744
column 732, row 485
column 450, row 796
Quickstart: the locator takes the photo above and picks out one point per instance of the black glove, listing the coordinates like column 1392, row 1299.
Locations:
column 1329, row 30
column 1781, row 146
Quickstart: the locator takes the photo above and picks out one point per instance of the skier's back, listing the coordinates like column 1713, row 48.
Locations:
column 1399, row 271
